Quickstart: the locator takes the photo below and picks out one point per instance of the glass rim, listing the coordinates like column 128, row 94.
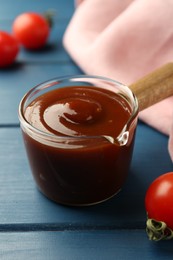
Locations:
column 55, row 81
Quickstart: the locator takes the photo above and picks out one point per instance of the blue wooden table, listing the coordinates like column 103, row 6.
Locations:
column 33, row 227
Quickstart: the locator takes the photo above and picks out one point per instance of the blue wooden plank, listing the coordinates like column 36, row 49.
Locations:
column 15, row 82
column 83, row 245
column 21, row 203
column 9, row 10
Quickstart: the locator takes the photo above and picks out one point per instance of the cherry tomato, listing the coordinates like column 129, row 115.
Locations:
column 9, row 49
column 31, row 29
column 159, row 207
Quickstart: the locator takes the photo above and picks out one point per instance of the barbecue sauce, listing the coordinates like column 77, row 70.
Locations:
column 72, row 159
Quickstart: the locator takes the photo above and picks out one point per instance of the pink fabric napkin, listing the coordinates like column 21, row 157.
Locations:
column 125, row 40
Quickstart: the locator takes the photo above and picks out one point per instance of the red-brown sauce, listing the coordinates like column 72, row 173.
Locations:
column 78, row 171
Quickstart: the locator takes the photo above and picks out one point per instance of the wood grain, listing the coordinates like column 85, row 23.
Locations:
column 154, row 87
column 83, row 245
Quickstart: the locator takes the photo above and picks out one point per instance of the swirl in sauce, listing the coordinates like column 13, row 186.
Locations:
column 79, row 111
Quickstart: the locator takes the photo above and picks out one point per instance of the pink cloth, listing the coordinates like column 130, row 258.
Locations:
column 125, row 40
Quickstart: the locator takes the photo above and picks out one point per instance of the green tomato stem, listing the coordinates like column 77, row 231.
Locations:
column 49, row 14
column 158, row 230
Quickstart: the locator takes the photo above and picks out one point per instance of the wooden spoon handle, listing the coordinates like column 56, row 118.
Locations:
column 154, row 87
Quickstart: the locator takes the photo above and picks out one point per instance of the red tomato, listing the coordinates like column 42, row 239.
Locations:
column 159, row 206
column 31, row 29
column 9, row 49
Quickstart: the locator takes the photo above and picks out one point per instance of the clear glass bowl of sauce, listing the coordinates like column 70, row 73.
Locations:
column 79, row 135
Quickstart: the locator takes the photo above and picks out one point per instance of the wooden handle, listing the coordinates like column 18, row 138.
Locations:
column 154, row 87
